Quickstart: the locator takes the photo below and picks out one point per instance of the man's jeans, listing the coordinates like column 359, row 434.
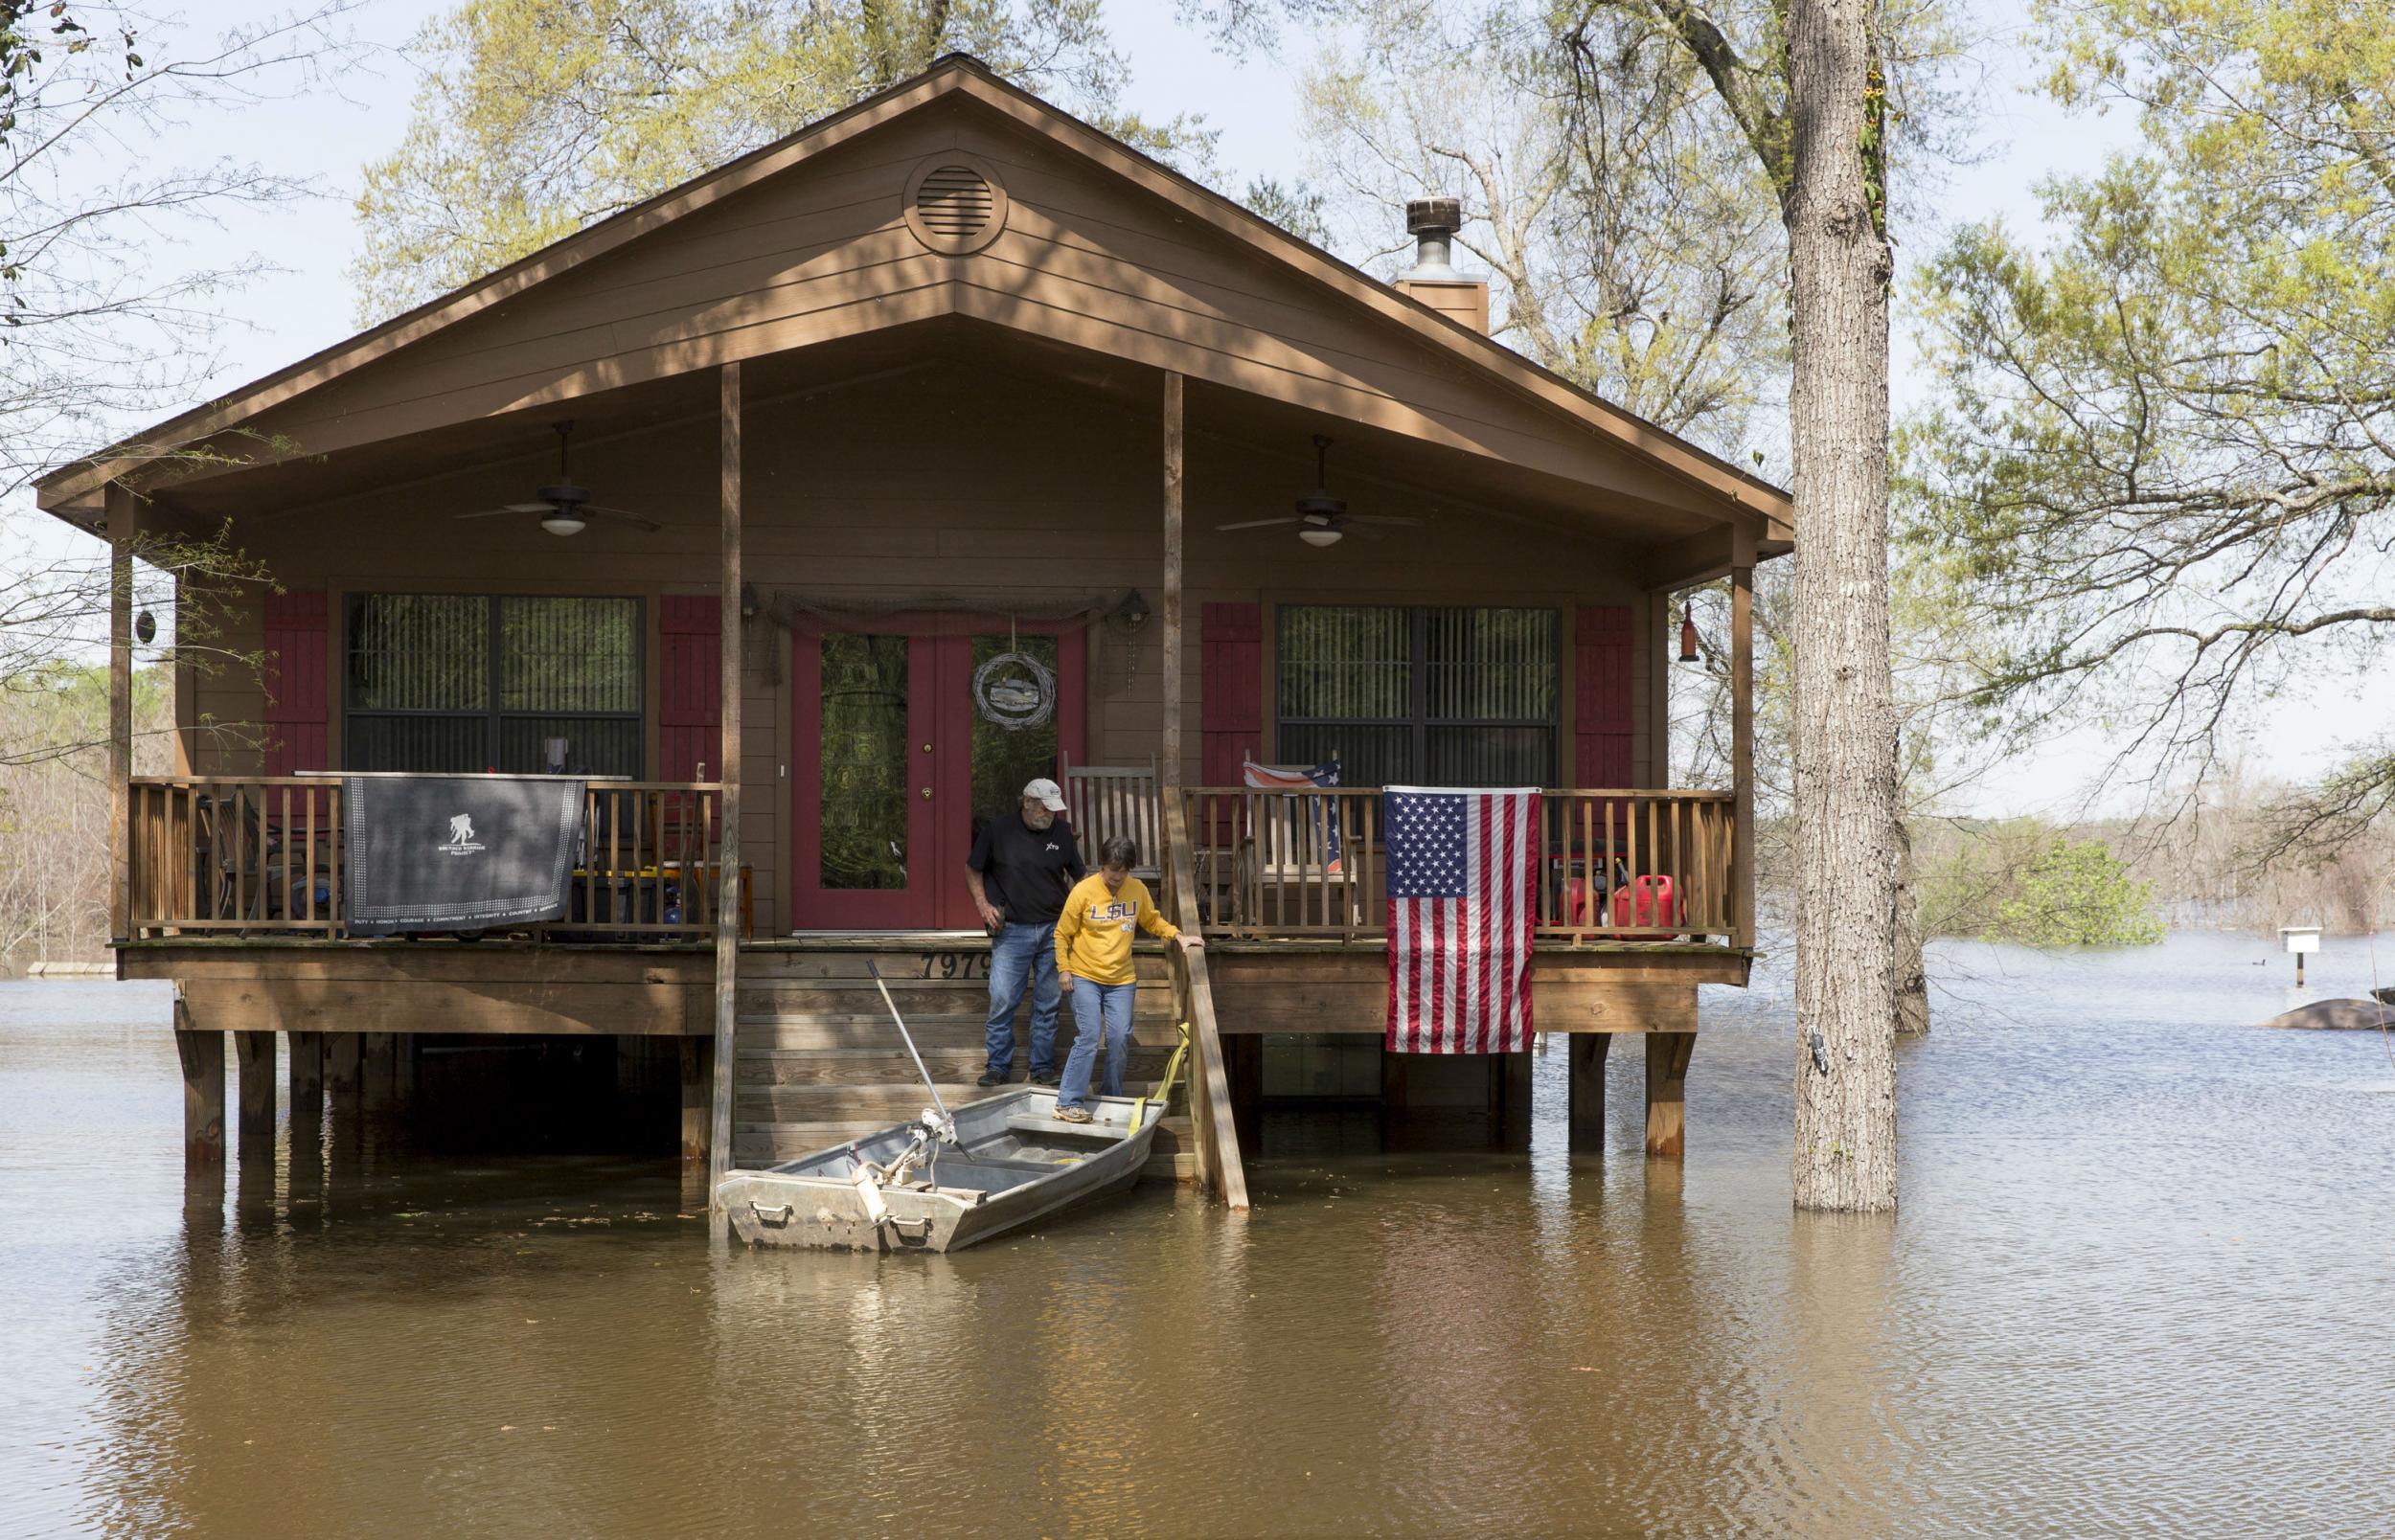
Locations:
column 1092, row 1003
column 1020, row 955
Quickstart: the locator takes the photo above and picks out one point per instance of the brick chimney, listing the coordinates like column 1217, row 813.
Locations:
column 1433, row 280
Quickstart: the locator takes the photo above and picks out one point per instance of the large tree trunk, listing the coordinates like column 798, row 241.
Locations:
column 1845, row 721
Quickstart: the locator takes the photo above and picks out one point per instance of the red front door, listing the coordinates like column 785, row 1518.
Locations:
column 907, row 735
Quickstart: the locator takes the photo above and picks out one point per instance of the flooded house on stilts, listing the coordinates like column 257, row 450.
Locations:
column 949, row 428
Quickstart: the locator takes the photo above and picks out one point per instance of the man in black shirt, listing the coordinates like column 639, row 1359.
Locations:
column 1022, row 865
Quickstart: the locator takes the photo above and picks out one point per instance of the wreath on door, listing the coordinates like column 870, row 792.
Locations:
column 1015, row 693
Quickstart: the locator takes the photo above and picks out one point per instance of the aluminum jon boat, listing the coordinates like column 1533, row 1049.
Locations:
column 913, row 1187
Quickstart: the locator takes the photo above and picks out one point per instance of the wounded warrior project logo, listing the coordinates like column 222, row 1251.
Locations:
column 461, row 840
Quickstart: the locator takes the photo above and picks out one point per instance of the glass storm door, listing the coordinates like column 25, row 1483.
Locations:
column 864, row 820
column 905, row 746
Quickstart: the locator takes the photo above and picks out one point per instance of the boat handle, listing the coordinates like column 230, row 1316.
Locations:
column 922, row 1226
column 778, row 1215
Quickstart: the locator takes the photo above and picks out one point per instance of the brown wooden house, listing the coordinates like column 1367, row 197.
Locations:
column 947, row 378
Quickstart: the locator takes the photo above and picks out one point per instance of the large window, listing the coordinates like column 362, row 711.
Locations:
column 1444, row 696
column 457, row 683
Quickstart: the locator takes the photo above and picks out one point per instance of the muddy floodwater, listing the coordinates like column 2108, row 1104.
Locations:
column 2143, row 1282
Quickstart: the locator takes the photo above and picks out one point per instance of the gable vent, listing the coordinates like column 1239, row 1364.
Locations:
column 956, row 201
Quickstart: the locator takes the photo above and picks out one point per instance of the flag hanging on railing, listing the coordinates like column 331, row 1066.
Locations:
column 1322, row 817
column 1463, row 904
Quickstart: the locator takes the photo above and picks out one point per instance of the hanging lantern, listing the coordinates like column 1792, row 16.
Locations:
column 1688, row 631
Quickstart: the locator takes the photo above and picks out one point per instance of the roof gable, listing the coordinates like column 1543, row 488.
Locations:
column 808, row 240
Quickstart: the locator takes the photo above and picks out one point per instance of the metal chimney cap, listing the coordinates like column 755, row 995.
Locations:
column 1434, row 216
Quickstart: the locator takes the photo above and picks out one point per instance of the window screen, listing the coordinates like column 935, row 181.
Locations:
column 1450, row 695
column 459, row 682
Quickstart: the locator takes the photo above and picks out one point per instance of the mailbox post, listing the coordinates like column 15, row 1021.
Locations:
column 2300, row 939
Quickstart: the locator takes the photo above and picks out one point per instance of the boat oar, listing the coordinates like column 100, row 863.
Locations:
column 947, row 1124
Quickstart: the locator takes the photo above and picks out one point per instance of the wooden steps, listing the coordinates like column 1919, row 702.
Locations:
column 818, row 1061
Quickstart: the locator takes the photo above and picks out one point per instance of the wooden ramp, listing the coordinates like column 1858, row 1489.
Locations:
column 817, row 1060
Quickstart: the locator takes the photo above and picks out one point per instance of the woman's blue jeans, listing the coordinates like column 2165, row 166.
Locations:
column 1094, row 1004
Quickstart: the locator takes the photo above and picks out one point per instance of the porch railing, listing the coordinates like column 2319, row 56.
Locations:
column 261, row 855
column 1612, row 865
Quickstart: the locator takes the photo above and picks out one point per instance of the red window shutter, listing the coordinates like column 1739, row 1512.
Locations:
column 297, row 702
column 690, row 696
column 1600, row 707
column 1231, row 703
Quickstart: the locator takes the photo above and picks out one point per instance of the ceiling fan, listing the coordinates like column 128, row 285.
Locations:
column 565, row 506
column 1321, row 519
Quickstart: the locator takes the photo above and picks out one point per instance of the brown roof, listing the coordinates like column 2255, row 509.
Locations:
column 77, row 485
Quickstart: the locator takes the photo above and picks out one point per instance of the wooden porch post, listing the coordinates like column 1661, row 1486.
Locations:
column 1586, row 1115
column 728, row 882
column 119, row 499
column 307, row 1076
column 696, row 1056
column 1743, row 746
column 377, row 1077
column 345, row 1060
column 1172, row 457
column 1667, row 1092
column 256, row 1052
column 203, row 1092
column 1660, row 651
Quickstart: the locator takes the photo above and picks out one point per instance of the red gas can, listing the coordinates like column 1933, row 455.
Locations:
column 1649, row 904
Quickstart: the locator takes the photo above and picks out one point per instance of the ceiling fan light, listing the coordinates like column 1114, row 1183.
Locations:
column 563, row 521
column 1320, row 536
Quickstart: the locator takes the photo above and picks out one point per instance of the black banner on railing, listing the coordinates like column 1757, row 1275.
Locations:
column 457, row 852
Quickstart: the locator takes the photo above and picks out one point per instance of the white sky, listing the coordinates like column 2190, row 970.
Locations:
column 305, row 304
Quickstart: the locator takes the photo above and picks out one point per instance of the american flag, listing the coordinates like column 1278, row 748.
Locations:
column 1461, row 911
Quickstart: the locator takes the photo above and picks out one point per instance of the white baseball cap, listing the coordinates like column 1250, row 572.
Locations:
column 1051, row 796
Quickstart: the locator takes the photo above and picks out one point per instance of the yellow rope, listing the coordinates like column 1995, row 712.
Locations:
column 1162, row 1097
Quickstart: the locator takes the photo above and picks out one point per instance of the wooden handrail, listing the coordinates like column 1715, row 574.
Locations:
column 1613, row 864
column 1193, row 995
column 263, row 855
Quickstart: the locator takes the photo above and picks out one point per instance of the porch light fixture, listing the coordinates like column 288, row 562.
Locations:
column 749, row 602
column 563, row 519
column 1688, row 631
column 1128, row 617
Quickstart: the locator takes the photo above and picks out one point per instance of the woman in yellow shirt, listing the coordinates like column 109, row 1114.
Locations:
column 1093, row 963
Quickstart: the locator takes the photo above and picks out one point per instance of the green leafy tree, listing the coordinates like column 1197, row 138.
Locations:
column 2026, row 882
column 2075, row 893
column 539, row 117
column 2160, row 479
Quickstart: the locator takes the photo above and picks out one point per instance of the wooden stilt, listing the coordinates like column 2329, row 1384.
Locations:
column 406, row 1050
column 343, row 1061
column 307, row 1076
column 377, row 1077
column 698, row 1057
column 203, row 1097
column 255, row 1052
column 1513, row 1083
column 1667, row 1091
column 1588, row 1051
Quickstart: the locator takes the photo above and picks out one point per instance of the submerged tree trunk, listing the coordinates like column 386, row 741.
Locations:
column 1845, row 721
